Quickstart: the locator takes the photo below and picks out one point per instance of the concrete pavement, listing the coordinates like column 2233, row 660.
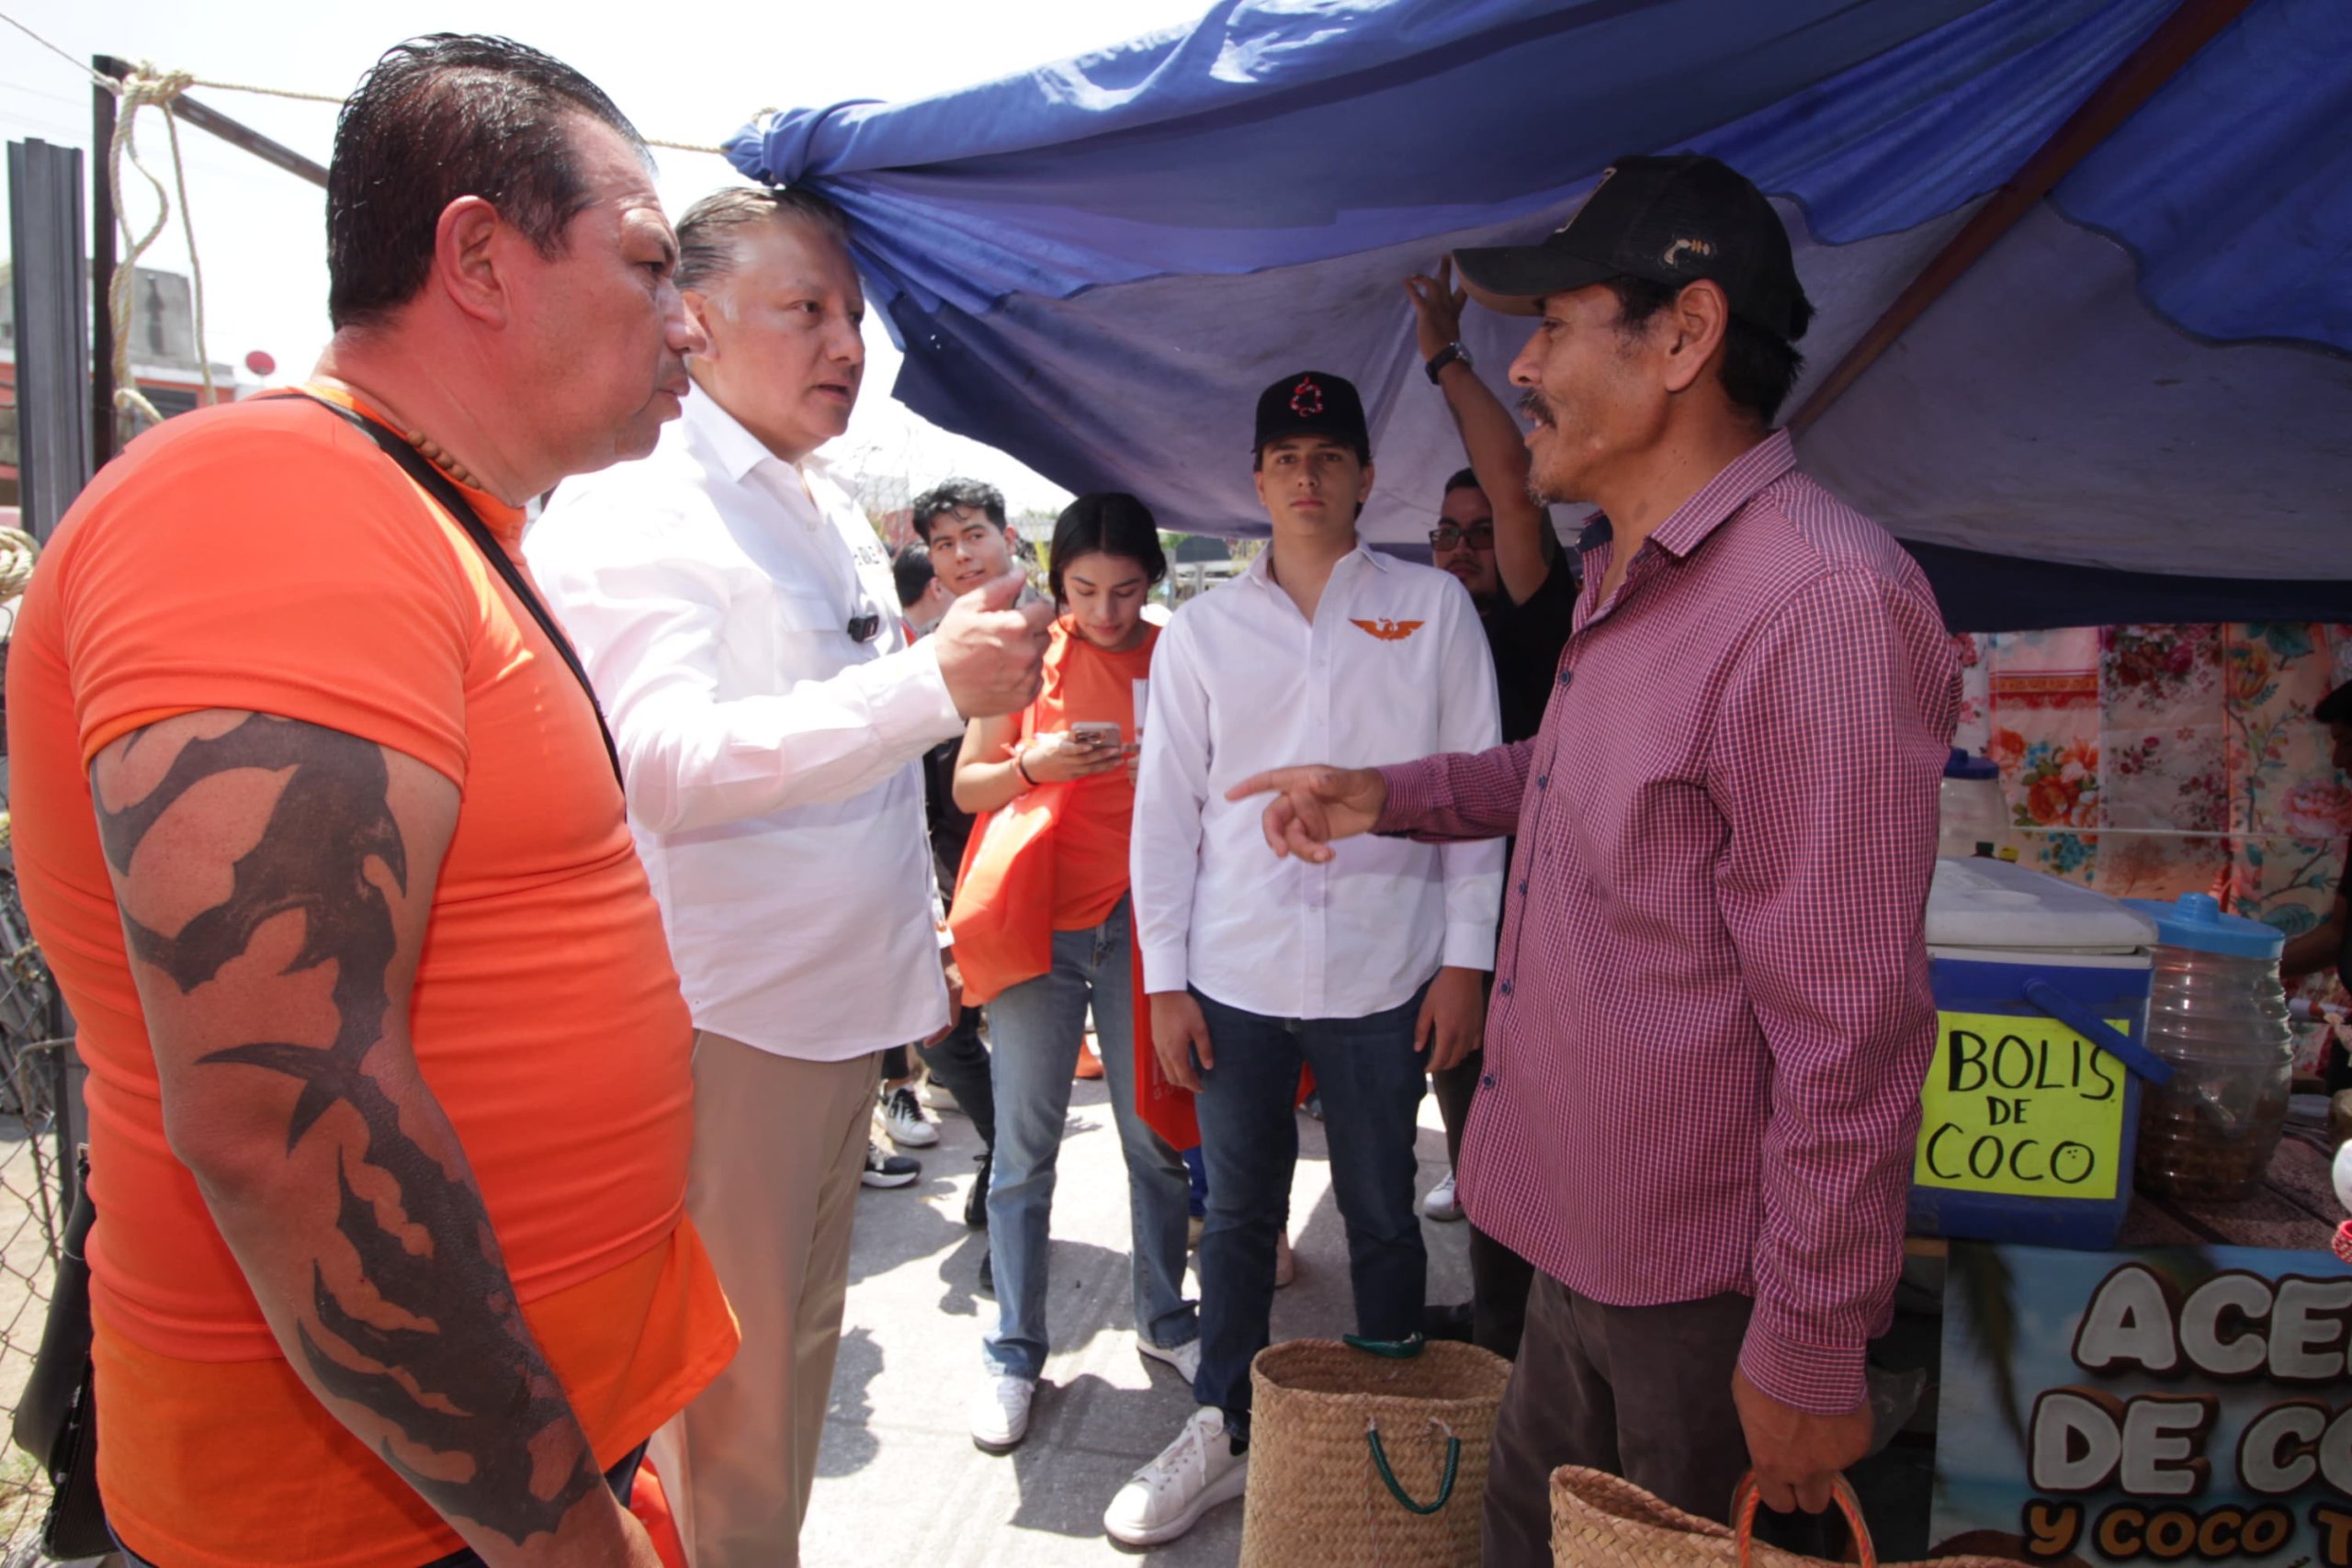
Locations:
column 899, row 1481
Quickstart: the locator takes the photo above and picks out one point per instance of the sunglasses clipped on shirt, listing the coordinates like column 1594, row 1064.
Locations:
column 1478, row 535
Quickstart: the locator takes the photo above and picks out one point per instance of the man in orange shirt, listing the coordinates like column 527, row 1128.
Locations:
column 390, row 1096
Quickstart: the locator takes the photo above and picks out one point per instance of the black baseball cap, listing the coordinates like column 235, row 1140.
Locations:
column 1313, row 402
column 1672, row 220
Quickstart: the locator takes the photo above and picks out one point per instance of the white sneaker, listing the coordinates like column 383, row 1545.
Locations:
column 1184, row 1358
column 1000, row 1413
column 1191, row 1475
column 902, row 1118
column 1441, row 1204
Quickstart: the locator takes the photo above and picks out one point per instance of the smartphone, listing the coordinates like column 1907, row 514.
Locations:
column 1096, row 731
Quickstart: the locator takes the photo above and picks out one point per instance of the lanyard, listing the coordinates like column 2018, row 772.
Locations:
column 439, row 486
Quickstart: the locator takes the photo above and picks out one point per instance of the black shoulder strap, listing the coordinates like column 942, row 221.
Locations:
column 440, row 487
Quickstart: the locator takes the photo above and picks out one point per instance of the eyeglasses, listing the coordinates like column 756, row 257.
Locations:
column 1478, row 537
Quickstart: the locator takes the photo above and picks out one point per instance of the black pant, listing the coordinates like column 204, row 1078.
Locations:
column 621, row 1478
column 1499, row 1277
column 959, row 1062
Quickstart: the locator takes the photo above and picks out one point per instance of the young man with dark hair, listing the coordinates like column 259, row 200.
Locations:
column 389, row 1087
column 1711, row 1013
column 959, row 1062
column 741, row 621
column 963, row 524
column 1372, row 972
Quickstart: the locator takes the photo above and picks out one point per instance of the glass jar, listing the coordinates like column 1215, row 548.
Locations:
column 2218, row 1014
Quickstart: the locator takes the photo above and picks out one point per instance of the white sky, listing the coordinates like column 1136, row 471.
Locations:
column 684, row 72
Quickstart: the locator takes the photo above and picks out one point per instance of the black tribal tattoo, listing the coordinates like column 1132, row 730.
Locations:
column 471, row 1381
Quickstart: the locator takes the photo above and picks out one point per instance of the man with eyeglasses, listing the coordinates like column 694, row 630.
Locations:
column 1493, row 535
column 1490, row 533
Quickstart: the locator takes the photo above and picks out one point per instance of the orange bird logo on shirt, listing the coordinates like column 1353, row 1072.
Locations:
column 1387, row 630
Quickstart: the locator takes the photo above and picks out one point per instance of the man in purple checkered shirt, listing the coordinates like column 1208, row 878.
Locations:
column 1712, row 1014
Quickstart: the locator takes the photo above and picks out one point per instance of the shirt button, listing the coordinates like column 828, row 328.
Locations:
column 1543, row 780
column 1485, row 1080
column 1566, row 676
column 1522, row 888
column 1504, row 987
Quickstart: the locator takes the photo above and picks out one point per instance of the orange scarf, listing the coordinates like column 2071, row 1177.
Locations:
column 1002, row 920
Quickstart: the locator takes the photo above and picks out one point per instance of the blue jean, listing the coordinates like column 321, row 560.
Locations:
column 1370, row 1081
column 1036, row 1027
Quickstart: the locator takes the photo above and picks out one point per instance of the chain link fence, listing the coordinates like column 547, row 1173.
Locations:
column 35, row 1113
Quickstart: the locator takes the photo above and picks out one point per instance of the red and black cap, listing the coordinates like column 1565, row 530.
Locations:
column 1313, row 402
column 1672, row 220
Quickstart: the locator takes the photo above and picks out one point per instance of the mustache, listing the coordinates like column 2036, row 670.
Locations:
column 1532, row 405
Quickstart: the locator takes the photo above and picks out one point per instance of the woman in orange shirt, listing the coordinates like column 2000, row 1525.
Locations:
column 1058, row 779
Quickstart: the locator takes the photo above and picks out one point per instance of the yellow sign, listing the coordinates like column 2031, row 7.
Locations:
column 2022, row 1106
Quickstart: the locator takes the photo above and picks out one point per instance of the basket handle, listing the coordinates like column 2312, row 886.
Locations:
column 1389, row 1476
column 1746, row 1499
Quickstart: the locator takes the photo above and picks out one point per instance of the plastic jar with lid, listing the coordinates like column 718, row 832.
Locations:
column 2217, row 1012
column 1970, row 811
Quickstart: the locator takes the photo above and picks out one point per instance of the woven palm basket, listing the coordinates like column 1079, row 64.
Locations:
column 1605, row 1521
column 1326, row 1419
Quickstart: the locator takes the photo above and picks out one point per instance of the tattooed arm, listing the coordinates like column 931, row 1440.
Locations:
column 274, row 880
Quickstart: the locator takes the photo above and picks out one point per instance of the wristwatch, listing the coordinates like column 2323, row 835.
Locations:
column 1452, row 354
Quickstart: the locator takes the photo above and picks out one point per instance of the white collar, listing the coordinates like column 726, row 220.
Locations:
column 731, row 447
column 1262, row 567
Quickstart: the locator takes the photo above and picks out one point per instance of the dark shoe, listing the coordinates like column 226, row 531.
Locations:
column 889, row 1170
column 976, row 1202
column 1448, row 1321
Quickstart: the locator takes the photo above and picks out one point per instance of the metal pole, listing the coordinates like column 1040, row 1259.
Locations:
column 53, row 330
column 204, row 117
column 2155, row 62
column 103, row 427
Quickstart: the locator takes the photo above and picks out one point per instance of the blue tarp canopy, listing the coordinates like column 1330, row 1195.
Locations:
column 2136, row 406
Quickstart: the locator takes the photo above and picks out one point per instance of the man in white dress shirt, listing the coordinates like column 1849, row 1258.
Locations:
column 1370, row 970
column 738, row 619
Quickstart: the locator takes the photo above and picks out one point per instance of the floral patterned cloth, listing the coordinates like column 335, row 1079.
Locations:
column 2202, row 733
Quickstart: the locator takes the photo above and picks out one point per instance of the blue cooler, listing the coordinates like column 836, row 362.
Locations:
column 2032, row 1104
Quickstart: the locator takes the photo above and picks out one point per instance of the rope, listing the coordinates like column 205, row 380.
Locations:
column 19, row 550
column 210, row 85
column 106, row 81
column 142, row 87
column 111, row 85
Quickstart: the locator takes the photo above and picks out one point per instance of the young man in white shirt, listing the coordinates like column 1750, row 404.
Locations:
column 738, row 619
column 1369, row 969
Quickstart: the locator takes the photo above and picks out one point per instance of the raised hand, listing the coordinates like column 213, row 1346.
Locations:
column 1437, row 307
column 992, row 654
column 1314, row 806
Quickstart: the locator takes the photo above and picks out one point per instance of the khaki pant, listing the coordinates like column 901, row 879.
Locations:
column 779, row 1146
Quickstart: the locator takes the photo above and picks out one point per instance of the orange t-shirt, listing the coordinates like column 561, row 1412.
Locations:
column 1084, row 682
column 265, row 555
